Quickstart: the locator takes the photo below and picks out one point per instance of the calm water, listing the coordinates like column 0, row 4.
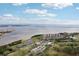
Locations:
column 19, row 32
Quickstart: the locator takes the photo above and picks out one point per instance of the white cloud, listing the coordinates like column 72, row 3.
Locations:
column 8, row 19
column 11, row 19
column 52, row 21
column 18, row 4
column 62, row 22
column 56, row 21
column 39, row 12
column 57, row 5
column 9, row 15
column 18, row 20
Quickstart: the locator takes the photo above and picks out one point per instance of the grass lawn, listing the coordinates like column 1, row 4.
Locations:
column 22, row 51
column 37, row 38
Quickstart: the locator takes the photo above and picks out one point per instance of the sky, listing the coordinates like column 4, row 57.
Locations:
column 39, row 13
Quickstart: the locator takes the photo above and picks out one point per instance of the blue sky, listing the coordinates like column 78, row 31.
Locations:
column 39, row 13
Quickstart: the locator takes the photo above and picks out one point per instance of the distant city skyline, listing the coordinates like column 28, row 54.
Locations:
column 39, row 13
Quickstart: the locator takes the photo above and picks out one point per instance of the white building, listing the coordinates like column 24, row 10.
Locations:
column 38, row 49
column 52, row 36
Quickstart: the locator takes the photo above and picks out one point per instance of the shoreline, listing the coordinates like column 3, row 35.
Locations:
column 25, row 37
column 27, row 33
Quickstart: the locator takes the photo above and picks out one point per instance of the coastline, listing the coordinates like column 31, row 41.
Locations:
column 26, row 33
